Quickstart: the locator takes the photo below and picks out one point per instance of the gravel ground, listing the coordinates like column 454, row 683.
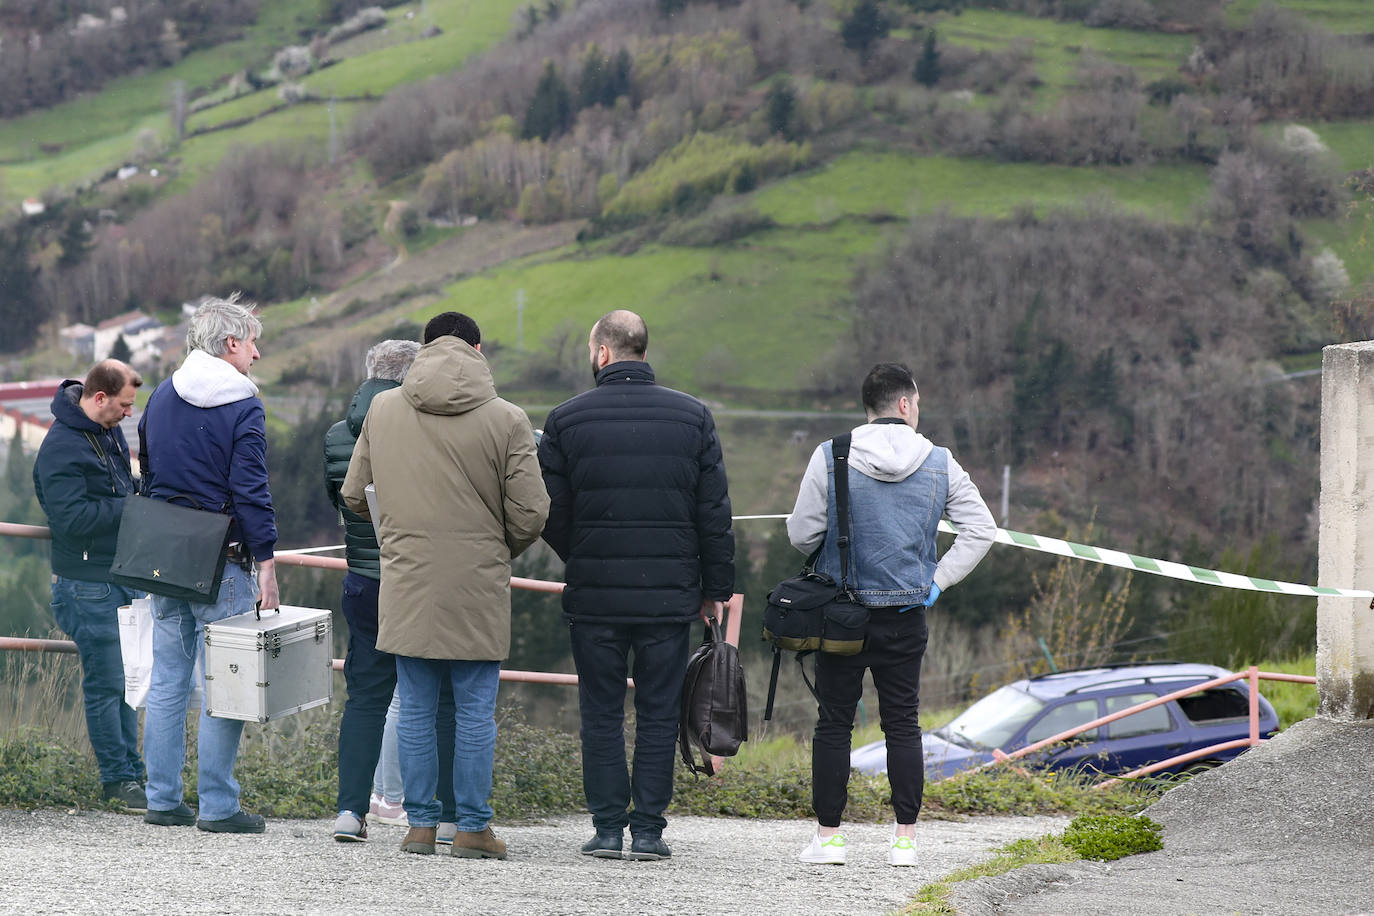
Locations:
column 1285, row 829
column 56, row 861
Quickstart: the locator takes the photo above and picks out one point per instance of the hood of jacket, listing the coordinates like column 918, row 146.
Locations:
column 887, row 451
column 66, row 408
column 362, row 400
column 448, row 377
column 208, row 381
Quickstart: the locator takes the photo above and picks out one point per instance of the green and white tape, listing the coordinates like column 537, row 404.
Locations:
column 1164, row 567
column 1154, row 567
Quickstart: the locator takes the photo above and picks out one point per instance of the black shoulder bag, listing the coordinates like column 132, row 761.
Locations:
column 810, row 612
column 169, row 550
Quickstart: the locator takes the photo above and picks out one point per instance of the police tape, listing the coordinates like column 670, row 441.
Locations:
column 1154, row 567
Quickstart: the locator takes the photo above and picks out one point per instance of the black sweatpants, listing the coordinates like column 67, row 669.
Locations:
column 896, row 645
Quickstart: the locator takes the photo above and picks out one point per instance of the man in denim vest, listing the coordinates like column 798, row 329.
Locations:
column 81, row 478
column 900, row 485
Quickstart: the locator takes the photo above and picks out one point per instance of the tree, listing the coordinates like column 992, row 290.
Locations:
column 550, row 112
column 75, row 240
column 780, row 108
column 865, row 26
column 20, row 314
column 928, row 64
column 120, row 350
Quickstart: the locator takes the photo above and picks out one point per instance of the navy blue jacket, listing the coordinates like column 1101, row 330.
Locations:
column 215, row 455
column 81, row 477
column 640, row 510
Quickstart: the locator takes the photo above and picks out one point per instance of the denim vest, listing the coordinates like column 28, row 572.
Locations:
column 892, row 532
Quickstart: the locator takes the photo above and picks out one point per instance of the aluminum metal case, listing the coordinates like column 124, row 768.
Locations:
column 261, row 670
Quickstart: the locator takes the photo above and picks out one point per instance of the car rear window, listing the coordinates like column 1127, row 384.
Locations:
column 1218, row 703
column 1062, row 718
column 1146, row 722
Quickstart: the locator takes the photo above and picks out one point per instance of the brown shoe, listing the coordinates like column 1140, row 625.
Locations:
column 420, row 840
column 481, row 844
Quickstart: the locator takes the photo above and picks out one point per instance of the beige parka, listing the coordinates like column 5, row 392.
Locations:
column 459, row 494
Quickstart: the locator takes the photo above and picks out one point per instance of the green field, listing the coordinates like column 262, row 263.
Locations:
column 1351, row 17
column 99, row 132
column 1059, row 47
column 865, row 183
column 776, row 291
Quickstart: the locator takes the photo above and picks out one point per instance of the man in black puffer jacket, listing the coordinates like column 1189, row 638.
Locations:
column 640, row 514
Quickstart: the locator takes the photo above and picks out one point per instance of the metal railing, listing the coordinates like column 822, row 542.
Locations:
column 1252, row 674
column 733, row 610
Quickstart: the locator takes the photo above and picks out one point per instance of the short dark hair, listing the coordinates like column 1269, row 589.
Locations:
column 109, row 376
column 623, row 333
column 885, row 383
column 453, row 324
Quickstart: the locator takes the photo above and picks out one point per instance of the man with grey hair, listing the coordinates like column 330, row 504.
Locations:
column 370, row 674
column 203, row 441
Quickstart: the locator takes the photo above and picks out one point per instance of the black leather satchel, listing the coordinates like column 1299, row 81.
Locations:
column 171, row 550
column 715, row 704
column 811, row 612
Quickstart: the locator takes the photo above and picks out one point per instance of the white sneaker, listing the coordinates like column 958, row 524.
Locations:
column 445, row 833
column 903, row 851
column 824, row 851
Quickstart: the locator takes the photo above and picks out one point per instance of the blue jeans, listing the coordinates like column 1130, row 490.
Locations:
column 371, row 678
column 386, row 778
column 601, row 652
column 178, row 643
column 474, row 686
column 88, row 613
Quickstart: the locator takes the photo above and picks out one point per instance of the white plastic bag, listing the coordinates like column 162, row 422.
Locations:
column 136, row 647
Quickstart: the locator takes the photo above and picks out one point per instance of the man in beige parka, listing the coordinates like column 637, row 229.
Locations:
column 458, row 495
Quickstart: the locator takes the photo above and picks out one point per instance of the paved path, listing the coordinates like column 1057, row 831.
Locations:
column 55, row 861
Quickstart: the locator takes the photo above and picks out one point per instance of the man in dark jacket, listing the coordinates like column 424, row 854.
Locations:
column 81, row 477
column 203, row 436
column 369, row 673
column 641, row 516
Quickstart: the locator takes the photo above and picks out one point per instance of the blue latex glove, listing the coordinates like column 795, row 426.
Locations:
column 934, row 594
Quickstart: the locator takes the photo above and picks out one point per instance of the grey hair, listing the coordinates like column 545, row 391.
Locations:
column 216, row 320
column 391, row 359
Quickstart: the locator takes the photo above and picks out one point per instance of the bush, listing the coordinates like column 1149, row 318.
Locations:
column 716, row 228
column 698, row 168
column 1112, row 836
column 1123, row 14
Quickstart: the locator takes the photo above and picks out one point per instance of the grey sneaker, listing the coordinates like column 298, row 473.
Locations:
column 445, row 832
column 349, row 828
column 128, row 793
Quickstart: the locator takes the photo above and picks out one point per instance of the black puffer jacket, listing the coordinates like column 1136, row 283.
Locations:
column 360, row 540
column 640, row 510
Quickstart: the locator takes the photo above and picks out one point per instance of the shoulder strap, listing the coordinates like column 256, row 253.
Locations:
column 839, row 447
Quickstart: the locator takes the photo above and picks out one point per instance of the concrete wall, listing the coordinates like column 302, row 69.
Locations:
column 1345, row 552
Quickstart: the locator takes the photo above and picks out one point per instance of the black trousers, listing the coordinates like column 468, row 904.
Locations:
column 601, row 653
column 896, row 645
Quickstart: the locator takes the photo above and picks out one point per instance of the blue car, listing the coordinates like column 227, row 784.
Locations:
column 1031, row 710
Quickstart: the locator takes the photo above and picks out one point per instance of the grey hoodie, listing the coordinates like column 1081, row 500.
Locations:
column 892, row 452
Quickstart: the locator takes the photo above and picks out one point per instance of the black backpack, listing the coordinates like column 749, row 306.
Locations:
column 715, row 705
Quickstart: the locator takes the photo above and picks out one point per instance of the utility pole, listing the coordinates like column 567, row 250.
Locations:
column 520, row 319
column 333, row 132
column 1006, row 496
